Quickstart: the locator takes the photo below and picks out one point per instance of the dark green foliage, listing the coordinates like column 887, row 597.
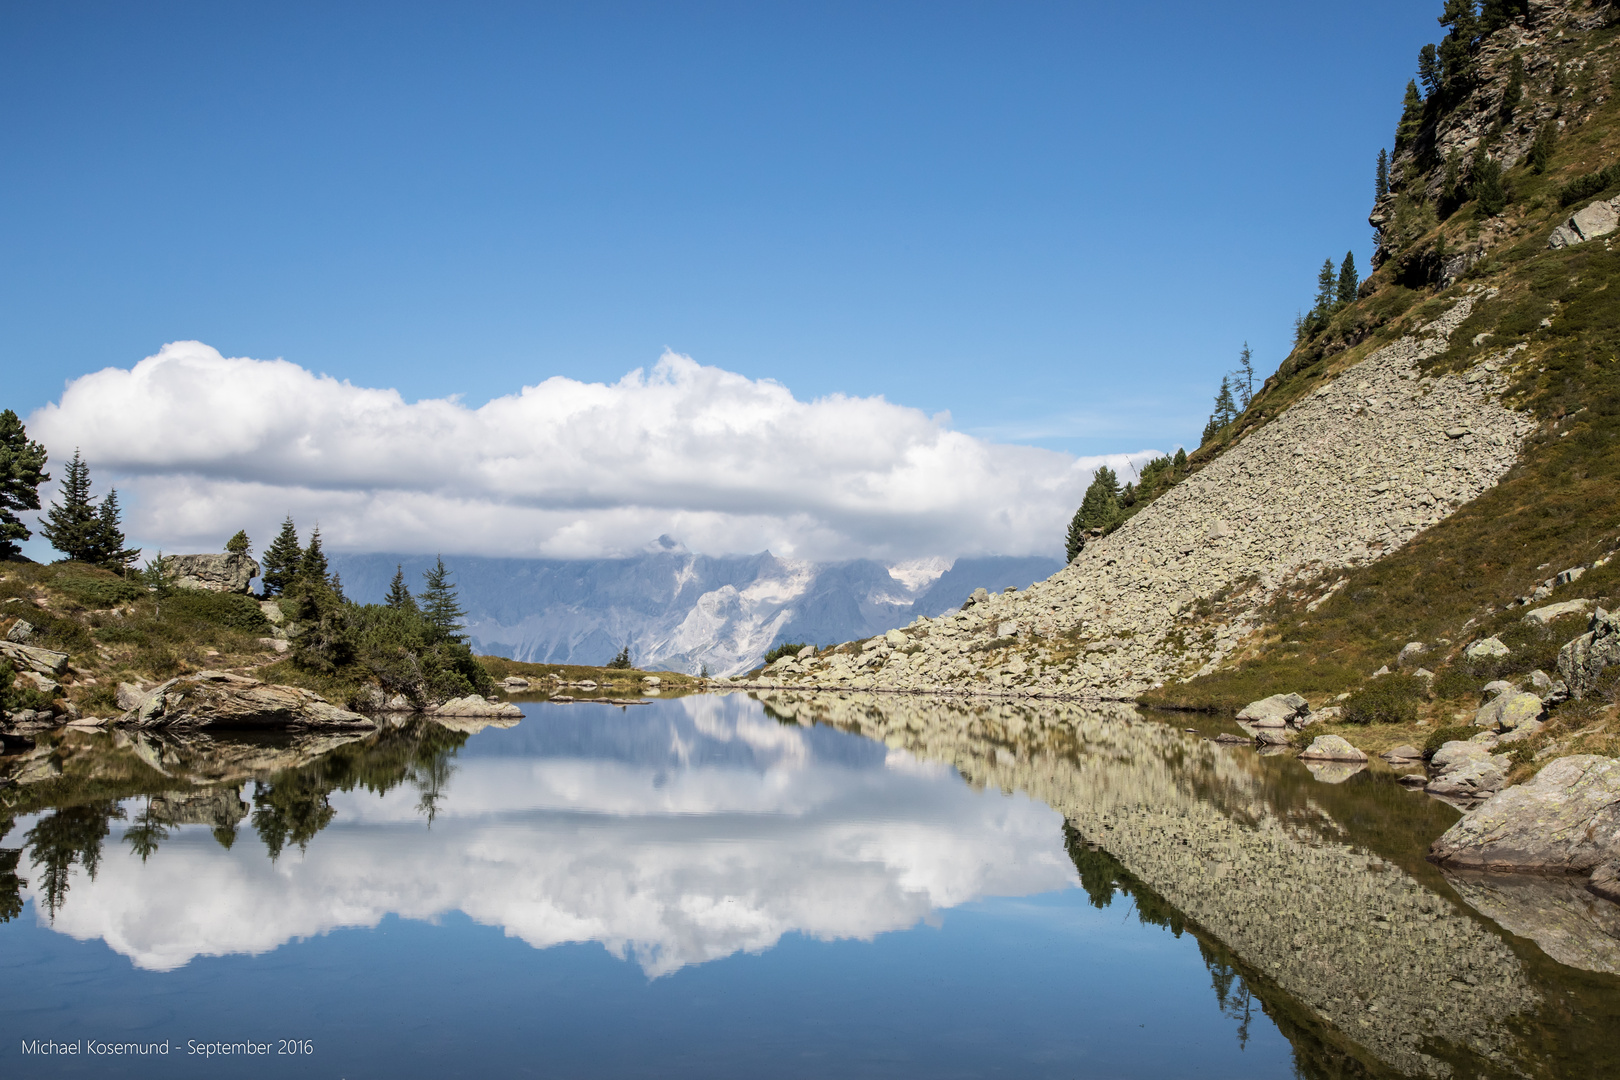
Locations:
column 281, row 560
column 1100, row 509
column 1226, row 410
column 1389, row 699
column 1429, row 70
column 1180, row 461
column 1411, row 121
column 68, row 835
column 1327, row 286
column 94, row 587
column 786, row 648
column 440, row 605
column 1584, row 187
column 399, row 596
column 1513, row 92
column 11, row 886
column 312, row 565
column 1495, row 14
column 81, row 531
column 1243, row 377
column 1381, row 175
column 1451, row 185
column 22, row 470
column 230, row 610
column 159, row 583
column 1541, row 151
column 1345, row 287
column 1485, row 184
column 621, row 661
column 1074, row 541
column 1127, row 498
column 239, row 544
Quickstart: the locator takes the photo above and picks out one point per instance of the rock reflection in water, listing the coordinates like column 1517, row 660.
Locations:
column 1559, row 914
column 1360, row 942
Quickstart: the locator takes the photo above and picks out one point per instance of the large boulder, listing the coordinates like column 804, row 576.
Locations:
column 1331, row 748
column 33, row 658
column 221, row 699
column 225, row 572
column 1564, row 821
column 474, row 705
column 1589, row 222
column 1490, row 648
column 1584, row 659
column 1471, row 780
column 1541, row 616
column 1509, row 710
column 1278, row 710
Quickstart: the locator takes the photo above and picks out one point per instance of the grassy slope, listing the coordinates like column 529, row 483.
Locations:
column 1559, row 507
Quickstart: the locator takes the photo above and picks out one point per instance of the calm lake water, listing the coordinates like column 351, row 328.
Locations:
column 724, row 886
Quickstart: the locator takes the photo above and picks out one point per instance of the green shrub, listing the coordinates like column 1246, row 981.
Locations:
column 1588, row 185
column 102, row 700
column 230, row 610
column 787, row 648
column 1389, row 699
column 94, row 587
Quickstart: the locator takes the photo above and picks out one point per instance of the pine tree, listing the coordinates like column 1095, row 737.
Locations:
column 1327, row 283
column 1244, row 376
column 106, row 546
column 1513, row 92
column 1485, row 184
column 312, row 566
column 398, row 595
column 1348, row 280
column 440, row 606
column 1100, row 509
column 22, row 470
column 1211, row 429
column 1075, row 540
column 1127, row 498
column 70, row 525
column 1429, row 70
column 1411, row 121
column 1381, row 175
column 621, row 661
column 1181, row 459
column 239, row 544
column 1226, row 409
column 1541, row 151
column 281, row 560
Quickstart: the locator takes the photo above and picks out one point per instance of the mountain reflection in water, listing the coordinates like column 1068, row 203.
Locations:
column 706, row 827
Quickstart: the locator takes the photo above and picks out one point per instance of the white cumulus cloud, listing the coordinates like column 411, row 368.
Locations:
column 201, row 444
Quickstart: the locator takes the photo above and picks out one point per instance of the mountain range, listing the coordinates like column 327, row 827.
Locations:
column 679, row 611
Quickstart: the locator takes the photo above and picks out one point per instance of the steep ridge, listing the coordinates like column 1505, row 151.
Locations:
column 1345, row 475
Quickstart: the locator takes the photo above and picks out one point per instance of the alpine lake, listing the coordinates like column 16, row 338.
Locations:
column 768, row 885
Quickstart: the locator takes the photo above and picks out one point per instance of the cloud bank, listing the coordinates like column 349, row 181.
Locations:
column 201, row 444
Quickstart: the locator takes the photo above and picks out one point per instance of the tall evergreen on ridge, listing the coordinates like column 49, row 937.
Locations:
column 1100, row 509
column 281, row 559
column 22, row 470
column 1327, row 287
column 1075, row 540
column 1381, row 175
column 440, row 605
column 1244, row 375
column 1349, row 280
column 312, row 565
column 79, row 529
column 1411, row 121
column 399, row 596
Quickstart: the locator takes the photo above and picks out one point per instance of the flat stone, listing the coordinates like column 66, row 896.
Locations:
column 1486, row 649
column 44, row 661
column 1564, row 820
column 1541, row 616
column 1471, row 780
column 1402, row 753
column 1331, row 748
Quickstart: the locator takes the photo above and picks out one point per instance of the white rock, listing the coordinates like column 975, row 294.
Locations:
column 1544, row 615
column 1486, row 649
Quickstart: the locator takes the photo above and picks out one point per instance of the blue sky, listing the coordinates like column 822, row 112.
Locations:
column 1057, row 222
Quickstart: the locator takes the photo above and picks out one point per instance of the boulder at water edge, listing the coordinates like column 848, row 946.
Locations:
column 1278, row 710
column 221, row 699
column 1565, row 821
column 1331, row 748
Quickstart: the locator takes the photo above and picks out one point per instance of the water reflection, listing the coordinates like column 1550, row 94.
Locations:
column 710, row 826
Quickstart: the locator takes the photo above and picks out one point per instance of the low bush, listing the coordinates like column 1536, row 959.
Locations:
column 787, row 648
column 231, row 610
column 1389, row 699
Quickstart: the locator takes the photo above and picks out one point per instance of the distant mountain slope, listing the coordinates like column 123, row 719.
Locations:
column 679, row 611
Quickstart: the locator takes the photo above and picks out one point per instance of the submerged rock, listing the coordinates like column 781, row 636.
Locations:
column 1564, row 821
column 221, row 699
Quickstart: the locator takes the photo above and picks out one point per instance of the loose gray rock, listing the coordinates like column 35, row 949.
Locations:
column 130, row 695
column 221, row 699
column 1331, row 748
column 1541, row 616
column 1510, row 710
column 1490, row 648
column 1470, row 781
column 21, row 631
column 1410, row 652
column 1564, row 821
column 1589, row 222
column 44, row 661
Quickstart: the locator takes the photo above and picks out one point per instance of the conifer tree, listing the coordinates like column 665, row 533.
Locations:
column 1541, row 151
column 239, row 544
column 1411, row 121
column 1181, row 459
column 1513, row 92
column 1211, row 429
column 1226, row 409
column 1127, row 497
column 106, row 547
column 1244, row 377
column 1075, row 540
column 22, row 470
column 1429, row 70
column 399, row 596
column 1381, row 175
column 1327, row 283
column 440, row 605
column 1348, row 280
column 312, row 566
column 1100, row 509
column 1485, row 184
column 70, row 524
column 281, row 560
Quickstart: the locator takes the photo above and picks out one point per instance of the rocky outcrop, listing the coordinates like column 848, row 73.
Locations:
column 221, row 699
column 1509, row 710
column 1278, row 710
column 1331, row 748
column 1583, row 660
column 225, row 572
column 1564, row 821
column 1541, row 616
column 1347, row 474
column 475, row 705
column 1588, row 223
column 33, row 658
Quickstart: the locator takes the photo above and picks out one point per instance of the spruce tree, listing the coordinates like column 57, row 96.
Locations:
column 1485, row 184
column 1181, row 459
column 398, row 595
column 239, row 544
column 1211, row 429
column 106, row 546
column 1075, row 540
column 1381, row 175
column 281, row 560
column 1226, row 409
column 70, row 524
column 1541, row 151
column 1100, row 509
column 1411, row 121
column 312, row 566
column 22, row 470
column 1429, row 70
column 1327, row 283
column 440, row 606
column 1348, row 280
column 1513, row 92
